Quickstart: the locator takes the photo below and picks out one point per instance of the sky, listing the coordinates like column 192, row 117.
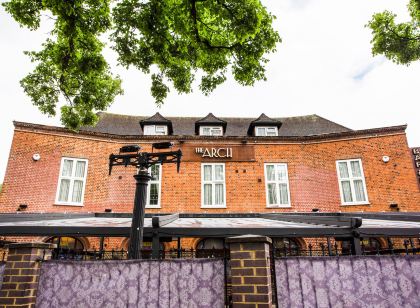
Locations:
column 323, row 66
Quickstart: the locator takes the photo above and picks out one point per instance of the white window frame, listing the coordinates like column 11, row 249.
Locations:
column 213, row 130
column 351, row 179
column 213, row 182
column 277, row 182
column 153, row 130
column 72, row 178
column 154, row 206
column 266, row 128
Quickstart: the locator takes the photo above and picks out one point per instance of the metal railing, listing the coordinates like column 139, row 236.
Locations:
column 410, row 246
column 91, row 255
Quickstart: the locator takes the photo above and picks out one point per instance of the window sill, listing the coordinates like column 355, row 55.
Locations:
column 68, row 204
column 355, row 203
column 153, row 207
column 213, row 206
column 278, row 206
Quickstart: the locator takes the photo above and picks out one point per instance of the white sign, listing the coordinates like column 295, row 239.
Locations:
column 214, row 152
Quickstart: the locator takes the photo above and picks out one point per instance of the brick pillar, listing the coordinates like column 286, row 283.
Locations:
column 21, row 274
column 251, row 276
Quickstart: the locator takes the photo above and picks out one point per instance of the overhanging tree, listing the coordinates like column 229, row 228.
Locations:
column 174, row 39
column 399, row 42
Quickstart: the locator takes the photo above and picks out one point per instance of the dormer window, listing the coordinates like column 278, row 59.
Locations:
column 264, row 126
column 211, row 131
column 156, row 125
column 266, row 131
column 155, row 130
column 210, row 126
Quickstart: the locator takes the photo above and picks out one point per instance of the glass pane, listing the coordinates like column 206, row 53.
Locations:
column 346, row 191
column 77, row 191
column 80, row 169
column 154, row 172
column 210, row 243
column 207, row 173
column 154, row 194
column 160, row 130
column 67, row 167
column 207, row 194
column 284, row 196
column 355, row 168
column 149, row 130
column 272, row 194
column 219, row 198
column 344, row 173
column 218, row 169
column 271, row 131
column 359, row 191
column 270, row 173
column 216, row 132
column 63, row 195
column 260, row 131
column 67, row 242
column 281, row 173
column 206, row 131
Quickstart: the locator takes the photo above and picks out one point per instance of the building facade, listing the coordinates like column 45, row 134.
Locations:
column 229, row 165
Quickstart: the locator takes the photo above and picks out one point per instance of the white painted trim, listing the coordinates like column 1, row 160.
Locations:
column 153, row 128
column 155, row 206
column 351, row 179
column 213, row 182
column 265, row 131
column 268, row 205
column 71, row 178
column 213, row 206
column 211, row 130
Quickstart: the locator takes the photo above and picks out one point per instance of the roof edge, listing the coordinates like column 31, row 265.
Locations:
column 353, row 133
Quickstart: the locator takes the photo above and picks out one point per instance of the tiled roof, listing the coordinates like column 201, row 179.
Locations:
column 309, row 125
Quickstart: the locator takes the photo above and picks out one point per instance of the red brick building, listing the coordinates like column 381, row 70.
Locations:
column 229, row 165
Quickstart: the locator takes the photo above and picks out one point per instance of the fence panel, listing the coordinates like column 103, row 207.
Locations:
column 132, row 283
column 2, row 267
column 365, row 281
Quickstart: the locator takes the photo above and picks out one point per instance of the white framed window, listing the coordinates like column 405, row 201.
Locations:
column 277, row 185
column 266, row 131
column 211, row 131
column 154, row 187
column 152, row 130
column 352, row 182
column 71, row 181
column 213, row 187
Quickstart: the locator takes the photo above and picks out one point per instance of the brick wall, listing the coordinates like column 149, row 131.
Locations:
column 21, row 274
column 310, row 166
column 250, row 271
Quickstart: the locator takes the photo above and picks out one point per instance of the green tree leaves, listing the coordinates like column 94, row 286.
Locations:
column 398, row 42
column 70, row 65
column 182, row 37
column 174, row 39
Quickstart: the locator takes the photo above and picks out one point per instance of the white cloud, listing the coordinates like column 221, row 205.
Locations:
column 325, row 45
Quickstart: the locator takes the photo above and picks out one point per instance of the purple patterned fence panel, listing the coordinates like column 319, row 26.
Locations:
column 365, row 281
column 133, row 283
column 2, row 267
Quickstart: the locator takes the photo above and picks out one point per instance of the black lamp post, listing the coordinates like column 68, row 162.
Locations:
column 130, row 155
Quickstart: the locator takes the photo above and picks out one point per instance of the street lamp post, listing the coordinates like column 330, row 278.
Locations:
column 130, row 155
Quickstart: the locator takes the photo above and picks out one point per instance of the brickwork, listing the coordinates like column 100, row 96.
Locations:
column 310, row 166
column 250, row 271
column 20, row 278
